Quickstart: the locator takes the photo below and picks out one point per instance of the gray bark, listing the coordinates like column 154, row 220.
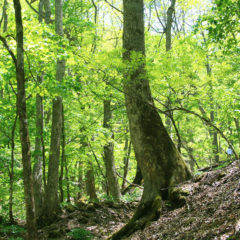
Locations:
column 5, row 16
column 40, row 10
column 127, row 152
column 51, row 201
column 170, row 12
column 23, row 127
column 236, row 121
column 90, row 182
column 63, row 159
column 109, row 156
column 47, row 8
column 38, row 156
column 159, row 160
column 11, row 170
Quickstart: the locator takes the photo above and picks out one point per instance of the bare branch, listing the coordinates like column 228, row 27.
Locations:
column 113, row 6
column 5, row 44
column 30, row 5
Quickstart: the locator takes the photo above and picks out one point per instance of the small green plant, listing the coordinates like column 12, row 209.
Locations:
column 12, row 229
column 80, row 234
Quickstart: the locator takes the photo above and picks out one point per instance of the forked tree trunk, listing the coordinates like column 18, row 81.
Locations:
column 24, row 134
column 111, row 175
column 38, row 157
column 51, row 203
column 160, row 162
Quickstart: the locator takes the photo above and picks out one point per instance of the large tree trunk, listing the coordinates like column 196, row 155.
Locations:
column 160, row 162
column 51, row 200
column 111, row 175
column 24, row 134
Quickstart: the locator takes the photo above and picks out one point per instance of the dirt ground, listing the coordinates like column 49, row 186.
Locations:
column 212, row 211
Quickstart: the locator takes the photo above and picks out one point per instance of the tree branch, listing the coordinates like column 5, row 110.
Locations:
column 5, row 44
column 113, row 6
column 30, row 5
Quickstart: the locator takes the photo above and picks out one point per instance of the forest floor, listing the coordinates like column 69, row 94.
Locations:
column 212, row 211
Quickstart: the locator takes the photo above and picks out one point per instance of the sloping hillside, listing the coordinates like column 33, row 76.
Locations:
column 212, row 210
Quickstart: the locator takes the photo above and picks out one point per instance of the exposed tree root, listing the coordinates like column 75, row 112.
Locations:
column 145, row 213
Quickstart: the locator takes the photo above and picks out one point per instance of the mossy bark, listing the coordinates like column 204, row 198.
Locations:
column 161, row 164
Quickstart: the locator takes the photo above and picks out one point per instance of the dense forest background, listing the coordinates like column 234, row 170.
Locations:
column 74, row 72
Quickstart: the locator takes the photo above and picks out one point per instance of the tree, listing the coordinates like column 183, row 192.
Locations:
column 51, row 200
column 112, row 181
column 160, row 162
column 24, row 134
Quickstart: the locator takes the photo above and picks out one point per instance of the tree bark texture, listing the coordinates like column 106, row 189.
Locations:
column 52, row 206
column 109, row 156
column 127, row 152
column 236, row 120
column 23, row 126
column 63, row 143
column 5, row 16
column 170, row 13
column 47, row 8
column 11, row 170
column 38, row 156
column 160, row 162
column 90, row 182
column 51, row 203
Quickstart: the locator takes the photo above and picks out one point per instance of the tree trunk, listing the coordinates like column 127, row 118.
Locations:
column 40, row 10
column 238, row 129
column 90, row 182
column 5, row 16
column 67, row 181
column 11, row 171
column 51, row 202
column 52, row 206
column 160, row 162
column 80, row 180
column 63, row 143
column 47, row 8
column 38, row 157
column 170, row 12
column 109, row 155
column 24, row 134
column 127, row 152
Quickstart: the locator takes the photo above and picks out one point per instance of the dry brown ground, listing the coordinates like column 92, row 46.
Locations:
column 212, row 211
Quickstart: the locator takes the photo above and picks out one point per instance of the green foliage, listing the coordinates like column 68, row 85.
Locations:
column 11, row 229
column 80, row 234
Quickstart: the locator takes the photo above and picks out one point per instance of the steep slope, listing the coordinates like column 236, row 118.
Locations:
column 212, row 210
